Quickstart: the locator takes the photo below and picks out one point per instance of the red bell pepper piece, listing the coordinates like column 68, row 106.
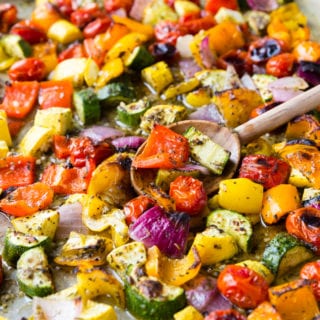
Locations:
column 15, row 125
column 55, row 93
column 79, row 149
column 29, row 32
column 75, row 50
column 20, row 98
column 213, row 6
column 64, row 180
column 17, row 171
column 164, row 149
column 266, row 170
column 27, row 200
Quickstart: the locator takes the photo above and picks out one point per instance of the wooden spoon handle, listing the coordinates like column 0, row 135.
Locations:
column 279, row 115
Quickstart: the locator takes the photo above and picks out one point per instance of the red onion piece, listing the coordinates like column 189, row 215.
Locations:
column 70, row 220
column 129, row 142
column 56, row 308
column 263, row 5
column 281, row 95
column 202, row 293
column 190, row 167
column 247, row 82
column 101, row 133
column 207, row 56
column 169, row 232
column 209, row 112
column 137, row 9
column 188, row 67
column 310, row 72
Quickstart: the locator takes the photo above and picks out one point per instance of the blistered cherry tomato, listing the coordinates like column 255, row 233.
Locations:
column 97, row 26
column 238, row 58
column 225, row 315
column 27, row 69
column 65, row 7
column 29, row 32
column 168, row 31
column 189, row 194
column 8, row 16
column 82, row 16
column 242, row 286
column 112, row 5
column 266, row 170
column 311, row 271
column 135, row 207
column 263, row 49
column 281, row 65
column 304, row 223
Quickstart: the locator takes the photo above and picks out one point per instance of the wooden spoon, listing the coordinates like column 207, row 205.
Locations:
column 231, row 139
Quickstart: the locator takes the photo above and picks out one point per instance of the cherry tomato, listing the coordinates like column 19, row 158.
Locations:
column 29, row 32
column 28, row 69
column 311, row 271
column 242, row 286
column 213, row 6
column 135, row 207
column 112, row 5
column 168, row 31
column 225, row 315
column 189, row 194
column 82, row 16
column 281, row 65
column 97, row 26
column 8, row 16
column 65, row 7
column 304, row 223
column 238, row 58
column 266, row 170
column 263, row 49
column 75, row 50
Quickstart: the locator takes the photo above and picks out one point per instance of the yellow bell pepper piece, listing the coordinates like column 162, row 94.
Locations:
column 264, row 310
column 112, row 69
column 125, row 45
column 91, row 72
column 198, row 98
column 181, row 88
column 185, row 7
column 278, row 201
column 258, row 267
column 97, row 311
column 64, row 32
column 135, row 26
column 3, row 149
column 188, row 313
column 173, row 272
column 241, row 195
column 4, row 129
column 214, row 246
column 94, row 282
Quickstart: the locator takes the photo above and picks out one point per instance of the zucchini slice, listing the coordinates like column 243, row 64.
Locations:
column 16, row 243
column 130, row 114
column 148, row 298
column 233, row 223
column 206, row 151
column 114, row 93
column 15, row 46
column 33, row 273
column 285, row 252
column 139, row 59
column 87, row 106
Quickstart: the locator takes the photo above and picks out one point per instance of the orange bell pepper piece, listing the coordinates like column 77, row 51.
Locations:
column 55, row 93
column 17, row 171
column 44, row 15
column 27, row 200
column 278, row 201
column 174, row 272
column 20, row 98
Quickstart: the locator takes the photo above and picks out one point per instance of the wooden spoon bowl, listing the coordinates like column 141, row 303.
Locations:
column 142, row 178
column 231, row 139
